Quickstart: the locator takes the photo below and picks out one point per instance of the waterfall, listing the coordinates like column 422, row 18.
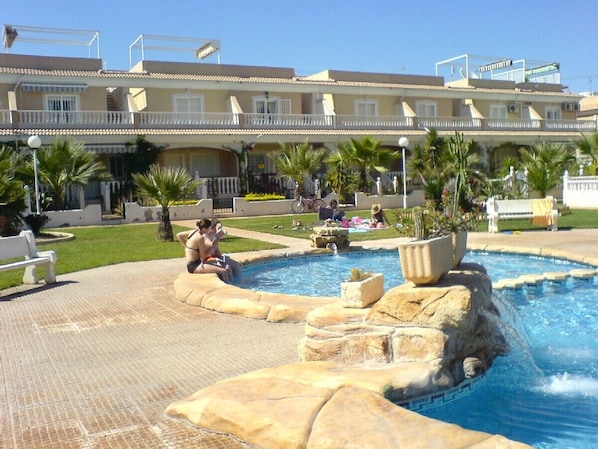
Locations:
column 510, row 323
column 332, row 247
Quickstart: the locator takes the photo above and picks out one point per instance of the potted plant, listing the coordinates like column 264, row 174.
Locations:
column 428, row 256
column 451, row 220
column 361, row 289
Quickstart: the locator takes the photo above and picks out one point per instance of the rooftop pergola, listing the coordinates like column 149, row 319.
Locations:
column 498, row 68
column 51, row 36
column 201, row 48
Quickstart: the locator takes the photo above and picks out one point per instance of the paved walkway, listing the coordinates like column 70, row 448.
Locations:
column 94, row 360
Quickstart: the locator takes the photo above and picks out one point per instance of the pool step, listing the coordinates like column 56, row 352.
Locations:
column 534, row 280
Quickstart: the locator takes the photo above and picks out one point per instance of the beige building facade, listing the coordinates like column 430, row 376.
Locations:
column 207, row 115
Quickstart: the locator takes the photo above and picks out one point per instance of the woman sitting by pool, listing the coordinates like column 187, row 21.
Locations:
column 199, row 253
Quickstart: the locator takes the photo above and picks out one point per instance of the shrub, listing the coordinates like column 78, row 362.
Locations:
column 36, row 222
column 263, row 197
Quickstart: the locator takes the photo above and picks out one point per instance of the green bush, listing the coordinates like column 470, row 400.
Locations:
column 263, row 197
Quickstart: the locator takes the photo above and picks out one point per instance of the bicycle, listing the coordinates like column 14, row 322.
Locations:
column 312, row 204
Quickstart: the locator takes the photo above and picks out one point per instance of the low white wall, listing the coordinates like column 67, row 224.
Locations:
column 243, row 208
column 134, row 213
column 414, row 198
column 91, row 215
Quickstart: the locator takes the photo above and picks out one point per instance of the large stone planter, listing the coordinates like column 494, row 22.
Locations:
column 426, row 261
column 360, row 294
column 459, row 239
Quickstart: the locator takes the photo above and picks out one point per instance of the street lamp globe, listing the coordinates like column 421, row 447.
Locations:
column 403, row 142
column 34, row 142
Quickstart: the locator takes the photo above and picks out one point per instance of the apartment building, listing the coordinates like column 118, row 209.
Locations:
column 219, row 120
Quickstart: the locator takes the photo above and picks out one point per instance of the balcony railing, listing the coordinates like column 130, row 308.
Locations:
column 373, row 122
column 188, row 120
column 439, row 123
column 223, row 120
column 499, row 124
column 75, row 119
column 570, row 125
column 296, row 121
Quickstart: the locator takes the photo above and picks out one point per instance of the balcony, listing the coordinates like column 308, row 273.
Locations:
column 78, row 119
column 213, row 120
column 30, row 119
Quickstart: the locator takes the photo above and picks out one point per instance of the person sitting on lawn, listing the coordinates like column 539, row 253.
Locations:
column 337, row 212
column 379, row 219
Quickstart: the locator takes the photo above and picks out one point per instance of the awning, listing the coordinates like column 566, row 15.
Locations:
column 109, row 148
column 42, row 87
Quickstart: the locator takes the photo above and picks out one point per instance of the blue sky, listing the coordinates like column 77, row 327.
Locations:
column 313, row 35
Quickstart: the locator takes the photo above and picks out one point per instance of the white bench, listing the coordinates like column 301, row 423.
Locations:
column 545, row 210
column 23, row 245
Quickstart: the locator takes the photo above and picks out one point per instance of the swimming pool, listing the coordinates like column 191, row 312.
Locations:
column 321, row 275
column 545, row 392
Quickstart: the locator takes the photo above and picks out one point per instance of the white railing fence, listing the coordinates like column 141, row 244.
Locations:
column 580, row 192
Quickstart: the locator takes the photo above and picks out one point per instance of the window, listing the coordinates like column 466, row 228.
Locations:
column 174, row 160
column 259, row 163
column 425, row 109
column 205, row 163
column 266, row 108
column 498, row 111
column 367, row 108
column 188, row 108
column 61, row 108
column 116, row 167
column 553, row 113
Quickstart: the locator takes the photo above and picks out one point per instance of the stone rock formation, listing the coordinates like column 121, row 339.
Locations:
column 445, row 324
column 326, row 405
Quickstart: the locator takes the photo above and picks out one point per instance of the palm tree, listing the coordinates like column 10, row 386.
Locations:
column 165, row 185
column 588, row 144
column 545, row 164
column 429, row 163
column 340, row 177
column 296, row 161
column 367, row 155
column 12, row 193
column 66, row 164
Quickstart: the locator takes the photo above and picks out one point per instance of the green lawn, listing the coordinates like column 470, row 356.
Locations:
column 579, row 219
column 283, row 225
column 96, row 246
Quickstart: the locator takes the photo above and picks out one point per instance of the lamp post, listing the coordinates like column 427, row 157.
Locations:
column 404, row 143
column 34, row 142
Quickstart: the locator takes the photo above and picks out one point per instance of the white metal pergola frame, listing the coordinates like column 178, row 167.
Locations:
column 51, row 36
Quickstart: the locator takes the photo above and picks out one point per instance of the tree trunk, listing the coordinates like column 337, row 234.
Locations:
column 165, row 233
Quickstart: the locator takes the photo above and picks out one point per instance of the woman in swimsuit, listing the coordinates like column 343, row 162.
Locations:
column 199, row 253
column 215, row 234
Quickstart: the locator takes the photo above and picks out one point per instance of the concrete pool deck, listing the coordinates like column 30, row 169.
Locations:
column 78, row 370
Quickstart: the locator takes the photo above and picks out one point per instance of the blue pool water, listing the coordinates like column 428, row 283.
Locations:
column 321, row 275
column 545, row 392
